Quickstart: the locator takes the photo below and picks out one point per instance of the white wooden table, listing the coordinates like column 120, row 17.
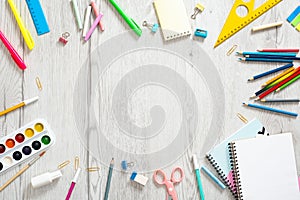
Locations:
column 59, row 67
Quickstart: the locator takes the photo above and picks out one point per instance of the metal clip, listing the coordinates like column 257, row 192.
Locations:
column 63, row 38
column 153, row 27
column 198, row 8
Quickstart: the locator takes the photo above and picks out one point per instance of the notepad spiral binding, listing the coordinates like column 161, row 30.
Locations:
column 235, row 168
column 218, row 170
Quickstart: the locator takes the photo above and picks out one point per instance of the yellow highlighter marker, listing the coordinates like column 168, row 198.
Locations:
column 26, row 34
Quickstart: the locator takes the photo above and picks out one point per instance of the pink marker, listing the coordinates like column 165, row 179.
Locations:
column 96, row 13
column 73, row 183
column 93, row 27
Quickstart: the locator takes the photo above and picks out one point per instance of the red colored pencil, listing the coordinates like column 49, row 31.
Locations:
column 275, row 87
column 278, row 50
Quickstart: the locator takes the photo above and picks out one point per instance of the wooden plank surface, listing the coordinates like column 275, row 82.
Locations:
column 59, row 67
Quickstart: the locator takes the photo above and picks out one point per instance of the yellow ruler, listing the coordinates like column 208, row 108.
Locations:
column 234, row 22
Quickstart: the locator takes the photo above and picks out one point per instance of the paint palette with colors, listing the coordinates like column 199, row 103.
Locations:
column 25, row 143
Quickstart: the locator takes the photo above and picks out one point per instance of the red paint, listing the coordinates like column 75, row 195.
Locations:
column 10, row 143
column 2, row 148
column 20, row 137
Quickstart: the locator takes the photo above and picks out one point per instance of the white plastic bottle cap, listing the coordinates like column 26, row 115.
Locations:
column 45, row 179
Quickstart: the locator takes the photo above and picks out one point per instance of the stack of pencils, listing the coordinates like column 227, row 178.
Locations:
column 290, row 75
column 270, row 55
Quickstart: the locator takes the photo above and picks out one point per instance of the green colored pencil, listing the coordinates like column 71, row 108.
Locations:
column 288, row 83
column 111, row 167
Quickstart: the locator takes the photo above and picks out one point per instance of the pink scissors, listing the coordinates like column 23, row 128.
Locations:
column 171, row 192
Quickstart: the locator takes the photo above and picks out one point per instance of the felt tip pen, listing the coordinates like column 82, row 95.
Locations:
column 197, row 171
column 73, row 183
column 15, row 56
column 127, row 19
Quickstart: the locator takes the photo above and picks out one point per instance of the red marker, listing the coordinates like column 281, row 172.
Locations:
column 14, row 54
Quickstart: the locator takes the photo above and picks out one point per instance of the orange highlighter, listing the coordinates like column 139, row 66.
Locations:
column 14, row 54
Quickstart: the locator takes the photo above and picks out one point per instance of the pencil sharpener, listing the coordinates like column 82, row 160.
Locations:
column 200, row 33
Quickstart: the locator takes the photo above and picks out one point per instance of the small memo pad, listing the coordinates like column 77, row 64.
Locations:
column 173, row 18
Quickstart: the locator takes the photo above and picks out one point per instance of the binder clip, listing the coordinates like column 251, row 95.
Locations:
column 125, row 165
column 64, row 37
column 153, row 27
column 138, row 178
column 198, row 8
column 200, row 33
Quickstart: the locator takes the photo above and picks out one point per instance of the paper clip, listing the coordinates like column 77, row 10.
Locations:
column 231, row 50
column 62, row 165
column 244, row 119
column 153, row 27
column 126, row 164
column 200, row 33
column 93, row 169
column 64, row 37
column 38, row 83
column 76, row 163
column 198, row 8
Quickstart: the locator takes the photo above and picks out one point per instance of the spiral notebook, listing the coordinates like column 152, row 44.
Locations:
column 219, row 155
column 265, row 168
column 172, row 17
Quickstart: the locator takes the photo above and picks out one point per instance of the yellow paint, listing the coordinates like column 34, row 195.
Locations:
column 234, row 22
column 29, row 132
column 39, row 127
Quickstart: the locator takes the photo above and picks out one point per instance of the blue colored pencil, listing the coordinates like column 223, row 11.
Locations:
column 274, row 57
column 271, row 109
column 267, row 53
column 266, row 60
column 270, row 72
column 213, row 177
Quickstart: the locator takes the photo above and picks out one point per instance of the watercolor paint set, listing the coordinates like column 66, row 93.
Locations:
column 25, row 143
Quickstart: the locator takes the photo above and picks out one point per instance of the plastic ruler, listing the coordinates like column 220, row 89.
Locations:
column 234, row 22
column 38, row 16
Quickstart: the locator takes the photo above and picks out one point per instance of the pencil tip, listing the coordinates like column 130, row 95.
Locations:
column 257, row 99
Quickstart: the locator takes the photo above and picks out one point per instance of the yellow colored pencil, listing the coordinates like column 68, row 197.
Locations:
column 24, row 103
column 278, row 76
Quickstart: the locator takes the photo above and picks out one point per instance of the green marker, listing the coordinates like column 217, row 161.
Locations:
column 197, row 171
column 127, row 19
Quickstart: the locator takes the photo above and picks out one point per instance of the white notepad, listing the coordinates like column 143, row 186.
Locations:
column 266, row 168
column 172, row 18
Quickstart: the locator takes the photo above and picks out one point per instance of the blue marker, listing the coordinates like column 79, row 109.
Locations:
column 213, row 177
column 294, row 14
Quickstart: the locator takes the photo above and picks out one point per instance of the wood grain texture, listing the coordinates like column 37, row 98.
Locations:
column 58, row 66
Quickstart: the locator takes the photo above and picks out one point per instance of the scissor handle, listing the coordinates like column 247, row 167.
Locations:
column 173, row 177
column 163, row 174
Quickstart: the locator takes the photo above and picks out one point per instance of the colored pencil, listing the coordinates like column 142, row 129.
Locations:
column 278, row 76
column 273, row 57
column 23, row 103
column 280, row 100
column 288, row 83
column 272, row 89
column 266, row 60
column 266, row 53
column 111, row 167
column 270, row 72
column 21, row 171
column 271, row 109
column 281, row 79
column 279, row 50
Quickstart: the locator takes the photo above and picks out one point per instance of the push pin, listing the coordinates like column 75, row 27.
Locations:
column 153, row 27
column 64, row 37
column 198, row 8
column 126, row 165
column 200, row 33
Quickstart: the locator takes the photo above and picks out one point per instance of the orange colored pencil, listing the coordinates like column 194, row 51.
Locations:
column 23, row 103
column 278, row 76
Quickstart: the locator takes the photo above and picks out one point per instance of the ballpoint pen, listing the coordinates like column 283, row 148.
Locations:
column 16, row 57
column 26, row 34
column 127, row 19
